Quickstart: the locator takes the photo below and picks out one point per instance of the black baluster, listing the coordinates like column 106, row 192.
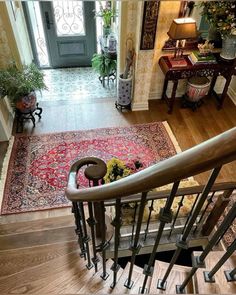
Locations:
column 92, row 223
column 209, row 275
column 182, row 239
column 148, row 221
column 86, row 238
column 199, row 260
column 209, row 201
column 176, row 216
column 191, row 211
column 230, row 275
column 135, row 246
column 117, row 224
column 104, row 244
column 134, row 221
column 78, row 229
column 165, row 217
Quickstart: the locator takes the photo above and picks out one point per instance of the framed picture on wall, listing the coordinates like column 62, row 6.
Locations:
column 150, row 17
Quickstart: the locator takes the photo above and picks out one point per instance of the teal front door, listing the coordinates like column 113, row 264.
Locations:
column 70, row 32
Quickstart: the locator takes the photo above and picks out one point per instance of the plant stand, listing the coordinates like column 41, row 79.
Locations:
column 27, row 115
column 106, row 79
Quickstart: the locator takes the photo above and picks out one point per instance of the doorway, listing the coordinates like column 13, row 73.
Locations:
column 64, row 36
column 63, row 33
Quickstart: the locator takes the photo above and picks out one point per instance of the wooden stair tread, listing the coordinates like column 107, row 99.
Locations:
column 66, row 274
column 137, row 278
column 97, row 285
column 176, row 277
column 30, row 239
column 221, row 286
column 14, row 261
column 36, row 225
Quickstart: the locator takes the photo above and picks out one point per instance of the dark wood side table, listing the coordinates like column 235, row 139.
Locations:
column 174, row 74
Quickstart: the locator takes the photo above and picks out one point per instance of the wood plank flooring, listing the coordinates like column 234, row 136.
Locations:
column 220, row 286
column 18, row 260
column 190, row 128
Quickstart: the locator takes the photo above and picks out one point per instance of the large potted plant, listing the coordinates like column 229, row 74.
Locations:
column 20, row 86
column 221, row 15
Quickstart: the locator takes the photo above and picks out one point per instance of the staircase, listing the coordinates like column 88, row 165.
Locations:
column 54, row 265
column 48, row 257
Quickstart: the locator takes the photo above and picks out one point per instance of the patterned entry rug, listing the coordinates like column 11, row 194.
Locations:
column 38, row 166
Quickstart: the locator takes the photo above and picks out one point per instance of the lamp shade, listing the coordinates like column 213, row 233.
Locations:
column 183, row 28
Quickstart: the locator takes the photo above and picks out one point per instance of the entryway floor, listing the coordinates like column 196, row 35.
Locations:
column 77, row 84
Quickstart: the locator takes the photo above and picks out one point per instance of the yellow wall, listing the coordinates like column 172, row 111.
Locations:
column 8, row 48
column 20, row 33
column 146, row 71
column 148, row 77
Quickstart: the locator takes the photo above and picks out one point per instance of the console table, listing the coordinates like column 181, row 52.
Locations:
column 221, row 68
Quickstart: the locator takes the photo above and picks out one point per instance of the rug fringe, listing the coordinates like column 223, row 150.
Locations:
column 3, row 175
column 173, row 138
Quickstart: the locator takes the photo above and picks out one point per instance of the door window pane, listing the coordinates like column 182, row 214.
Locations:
column 38, row 32
column 69, row 18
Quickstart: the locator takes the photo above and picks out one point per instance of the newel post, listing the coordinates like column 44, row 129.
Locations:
column 95, row 173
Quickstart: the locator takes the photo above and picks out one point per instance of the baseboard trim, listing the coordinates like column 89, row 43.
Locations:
column 232, row 94
column 140, row 106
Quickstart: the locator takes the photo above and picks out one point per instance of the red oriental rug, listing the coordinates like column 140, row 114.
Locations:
column 38, row 167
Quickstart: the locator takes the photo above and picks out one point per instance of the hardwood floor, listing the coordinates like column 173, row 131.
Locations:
column 190, row 128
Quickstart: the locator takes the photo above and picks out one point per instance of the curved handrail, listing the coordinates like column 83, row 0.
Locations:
column 212, row 153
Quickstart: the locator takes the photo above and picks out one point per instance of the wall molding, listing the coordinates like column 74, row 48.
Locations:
column 232, row 94
column 6, row 119
column 140, row 106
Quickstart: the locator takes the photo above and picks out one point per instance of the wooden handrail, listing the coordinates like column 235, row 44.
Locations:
column 212, row 153
column 184, row 191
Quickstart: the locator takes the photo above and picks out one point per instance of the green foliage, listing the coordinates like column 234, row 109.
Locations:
column 221, row 15
column 16, row 83
column 103, row 64
column 107, row 13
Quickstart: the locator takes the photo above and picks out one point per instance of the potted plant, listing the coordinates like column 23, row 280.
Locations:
column 104, row 65
column 222, row 16
column 20, row 86
column 107, row 13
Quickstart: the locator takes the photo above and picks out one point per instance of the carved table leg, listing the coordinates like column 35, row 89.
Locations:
column 213, row 82
column 164, row 88
column 172, row 99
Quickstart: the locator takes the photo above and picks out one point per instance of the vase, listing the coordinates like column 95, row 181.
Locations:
column 27, row 103
column 213, row 34
column 124, row 91
column 106, row 31
column 228, row 47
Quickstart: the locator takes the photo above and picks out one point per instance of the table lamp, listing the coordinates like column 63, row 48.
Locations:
column 180, row 30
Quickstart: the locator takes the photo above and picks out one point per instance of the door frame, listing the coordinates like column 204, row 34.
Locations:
column 89, row 30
